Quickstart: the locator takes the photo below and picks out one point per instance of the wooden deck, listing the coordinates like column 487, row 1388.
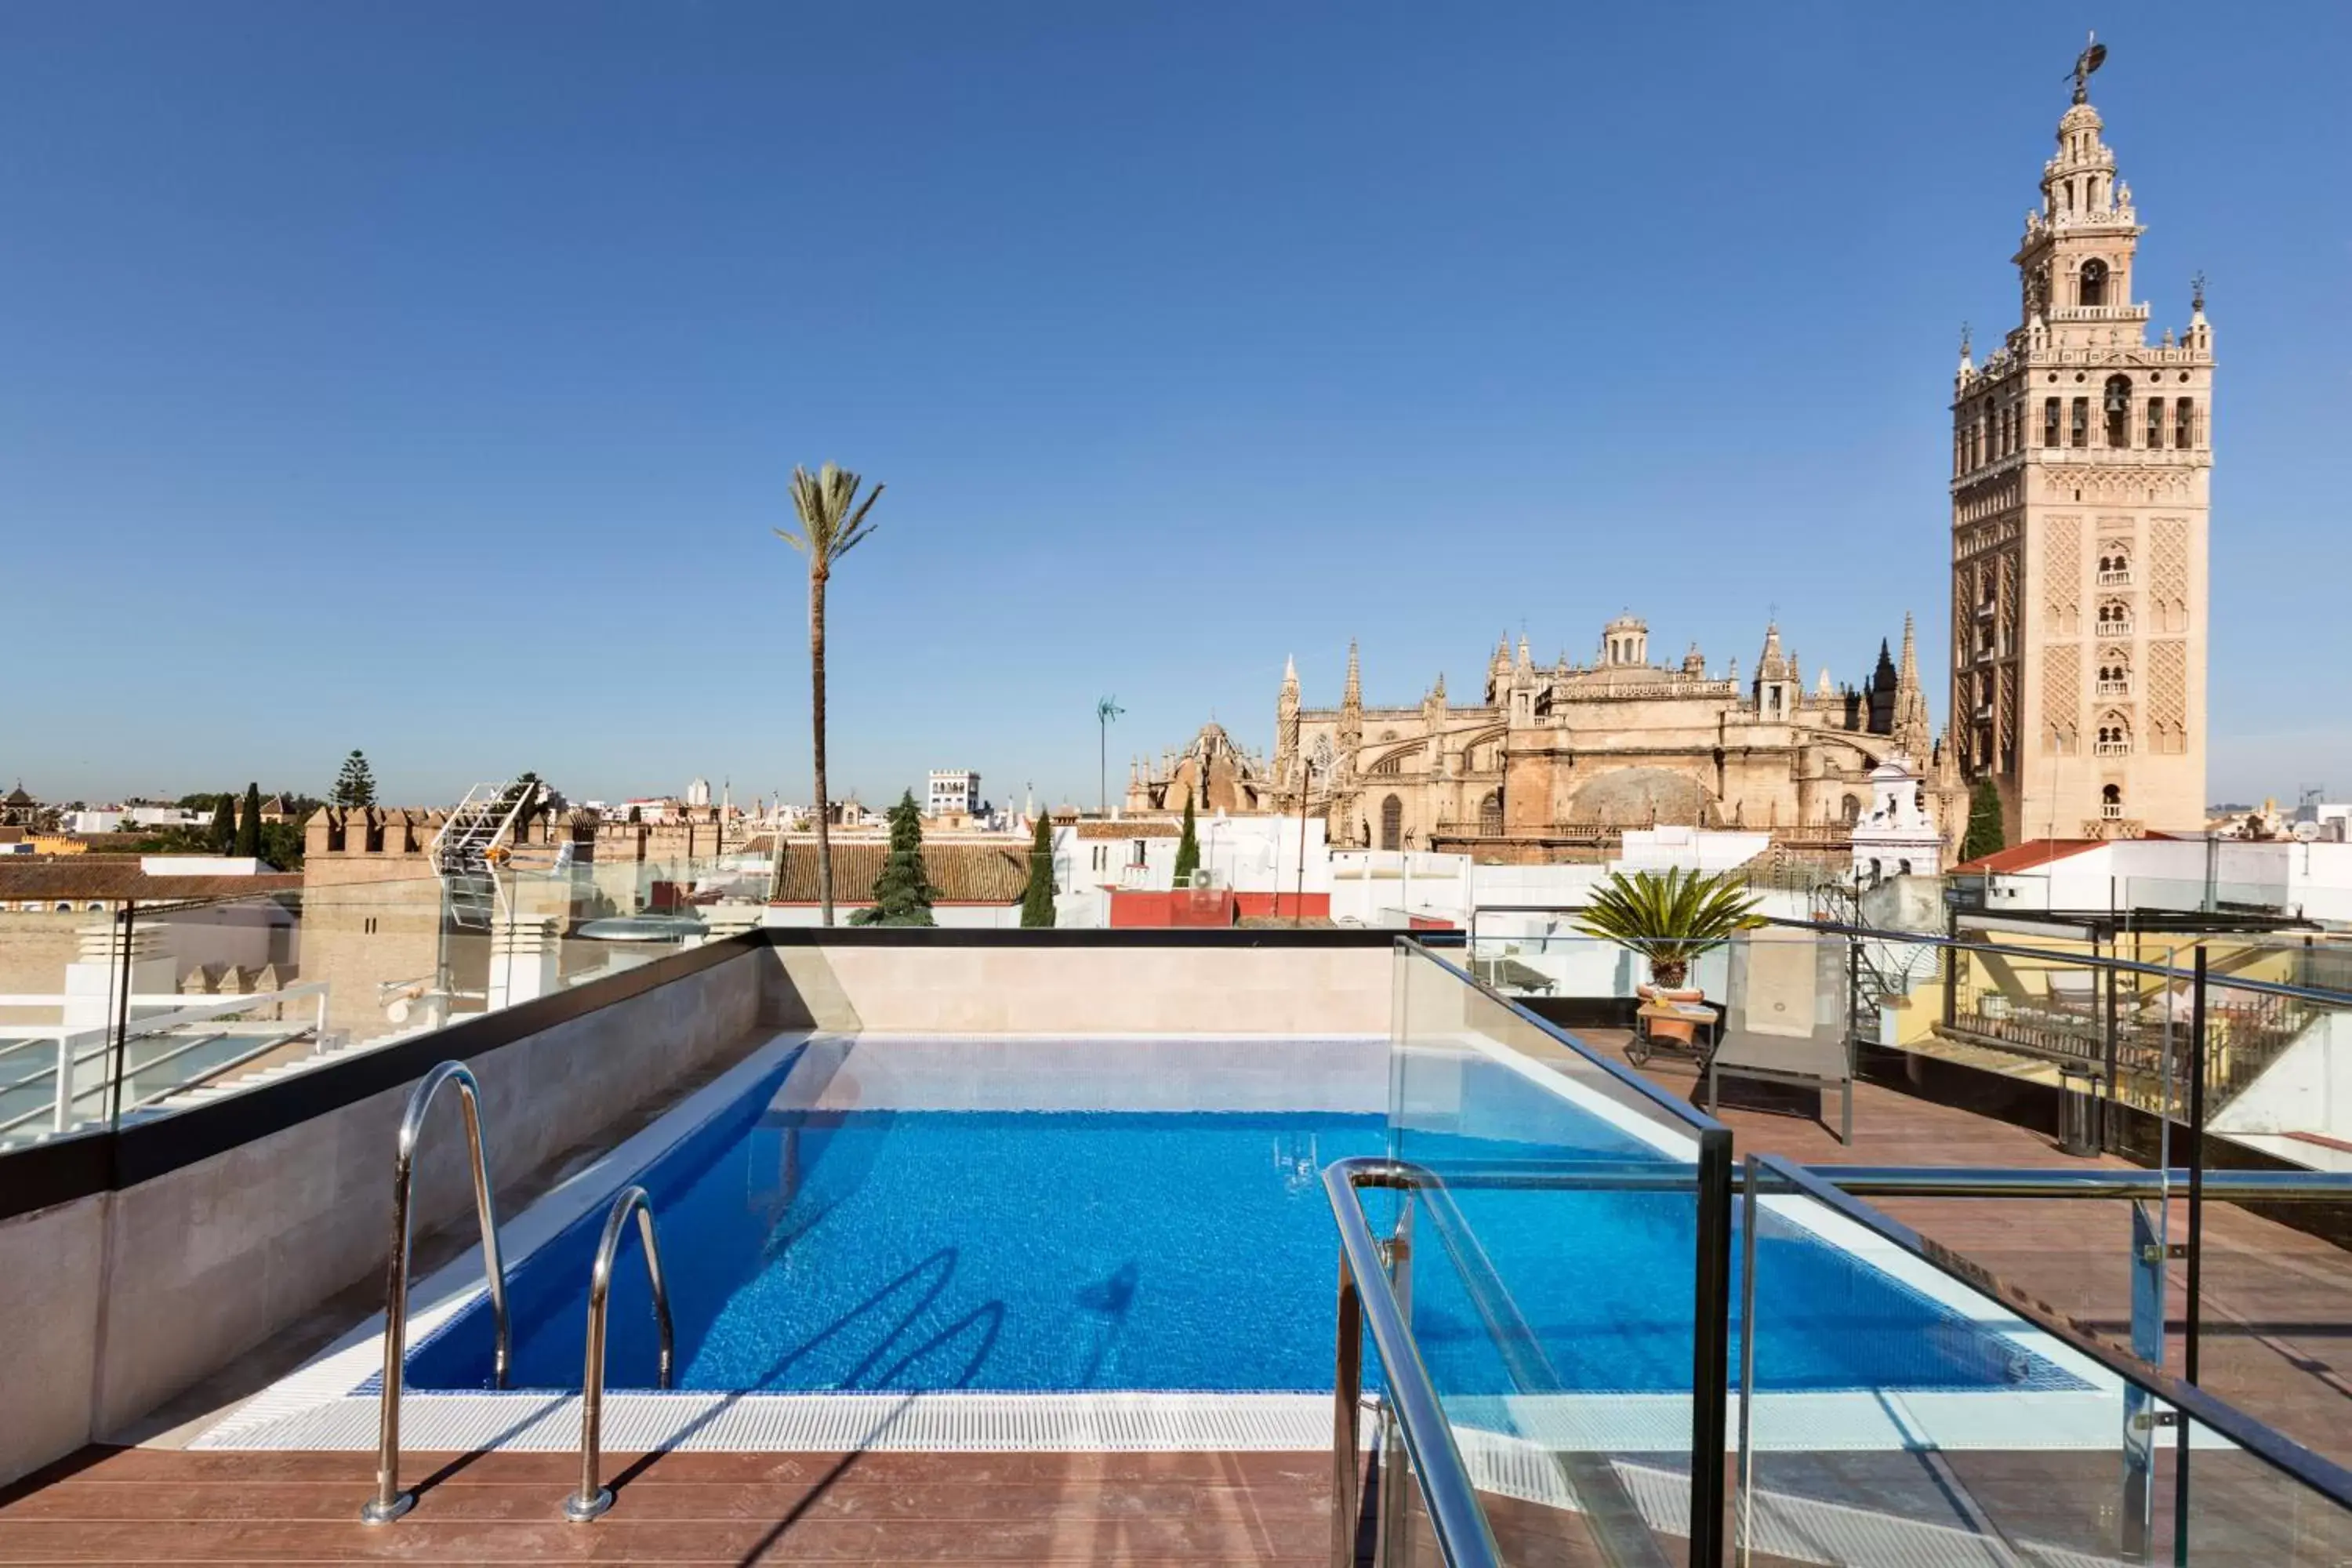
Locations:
column 2279, row 1311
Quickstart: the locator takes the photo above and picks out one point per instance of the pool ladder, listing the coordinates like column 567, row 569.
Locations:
column 593, row 1497
column 390, row 1502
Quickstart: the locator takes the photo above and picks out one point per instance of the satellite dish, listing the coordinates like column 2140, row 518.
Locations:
column 2306, row 832
column 398, row 1012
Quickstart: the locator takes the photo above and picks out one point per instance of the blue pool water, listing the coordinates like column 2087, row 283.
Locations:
column 1017, row 1250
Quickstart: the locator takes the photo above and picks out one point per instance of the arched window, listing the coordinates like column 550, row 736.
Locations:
column 2050, row 422
column 2184, row 422
column 1850, row 810
column 2155, row 423
column 2114, row 619
column 2079, row 432
column 2114, row 676
column 1391, row 823
column 2118, row 405
column 2111, row 801
column 2115, row 736
column 2094, row 285
column 2115, row 566
column 1490, row 814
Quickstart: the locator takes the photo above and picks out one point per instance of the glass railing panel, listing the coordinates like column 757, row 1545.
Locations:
column 2274, row 1318
column 235, row 993
column 1903, row 1402
column 61, row 977
column 1552, row 1259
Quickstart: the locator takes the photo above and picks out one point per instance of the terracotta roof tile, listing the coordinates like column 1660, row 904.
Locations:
column 79, row 876
column 2025, row 857
column 962, row 873
column 1131, row 828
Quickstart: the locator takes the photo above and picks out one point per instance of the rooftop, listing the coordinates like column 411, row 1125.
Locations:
column 206, row 1395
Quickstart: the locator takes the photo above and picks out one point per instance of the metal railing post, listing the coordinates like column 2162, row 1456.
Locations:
column 390, row 1502
column 1347, row 1411
column 111, row 1093
column 1710, row 1339
column 593, row 1497
column 1394, row 1548
column 1750, row 1173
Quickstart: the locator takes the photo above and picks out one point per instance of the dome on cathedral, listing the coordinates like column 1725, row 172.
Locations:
column 1636, row 797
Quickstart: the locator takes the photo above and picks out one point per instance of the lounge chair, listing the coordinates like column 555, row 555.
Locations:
column 1787, row 1019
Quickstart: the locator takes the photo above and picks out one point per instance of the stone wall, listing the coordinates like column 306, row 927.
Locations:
column 946, row 987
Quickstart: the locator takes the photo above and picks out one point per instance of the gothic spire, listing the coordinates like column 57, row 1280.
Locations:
column 1353, row 697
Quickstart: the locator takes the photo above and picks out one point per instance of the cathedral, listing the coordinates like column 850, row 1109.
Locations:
column 2082, row 461
column 1559, row 757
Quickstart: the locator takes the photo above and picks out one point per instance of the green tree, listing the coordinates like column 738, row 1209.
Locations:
column 1984, row 836
column 283, row 844
column 833, row 523
column 1672, row 919
column 903, row 892
column 248, row 826
column 224, row 838
column 1188, row 849
column 355, row 786
column 531, row 793
column 1037, row 898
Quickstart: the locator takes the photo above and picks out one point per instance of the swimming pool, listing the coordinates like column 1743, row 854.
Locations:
column 818, row 1241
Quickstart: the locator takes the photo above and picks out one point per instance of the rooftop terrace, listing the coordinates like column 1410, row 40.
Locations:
column 198, row 1274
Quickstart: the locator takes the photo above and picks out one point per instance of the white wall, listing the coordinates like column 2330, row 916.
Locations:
column 1247, row 854
column 2308, row 1089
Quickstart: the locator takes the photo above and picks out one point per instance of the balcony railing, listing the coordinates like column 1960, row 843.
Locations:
column 2122, row 628
column 2115, row 579
column 2115, row 688
column 2112, row 748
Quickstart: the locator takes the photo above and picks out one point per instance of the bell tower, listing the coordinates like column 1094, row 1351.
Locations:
column 2082, row 461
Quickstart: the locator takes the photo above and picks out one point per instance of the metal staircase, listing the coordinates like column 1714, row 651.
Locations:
column 473, row 843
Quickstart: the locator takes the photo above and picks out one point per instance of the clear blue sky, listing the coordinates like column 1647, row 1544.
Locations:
column 426, row 377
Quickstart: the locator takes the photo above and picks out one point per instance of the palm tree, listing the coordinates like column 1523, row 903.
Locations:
column 833, row 523
column 1670, row 919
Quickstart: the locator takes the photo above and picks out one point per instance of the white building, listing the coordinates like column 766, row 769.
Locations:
column 2285, row 877
column 698, row 794
column 1896, row 837
column 954, row 793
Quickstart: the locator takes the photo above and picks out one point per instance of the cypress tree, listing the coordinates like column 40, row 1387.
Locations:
column 1984, row 836
column 225, row 825
column 1188, row 849
column 248, row 827
column 1037, row 898
column 903, row 892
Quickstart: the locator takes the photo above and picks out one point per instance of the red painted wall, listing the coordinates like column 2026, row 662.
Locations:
column 1132, row 909
column 1286, row 905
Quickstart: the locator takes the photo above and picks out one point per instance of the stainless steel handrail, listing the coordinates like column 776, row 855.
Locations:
column 1366, row 1301
column 593, row 1497
column 1928, row 938
column 390, row 1502
column 2322, row 1475
column 1907, row 1181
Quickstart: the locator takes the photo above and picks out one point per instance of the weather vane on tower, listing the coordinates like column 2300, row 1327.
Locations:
column 2094, row 56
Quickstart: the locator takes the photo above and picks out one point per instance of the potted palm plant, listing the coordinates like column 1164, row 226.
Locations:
column 1670, row 919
